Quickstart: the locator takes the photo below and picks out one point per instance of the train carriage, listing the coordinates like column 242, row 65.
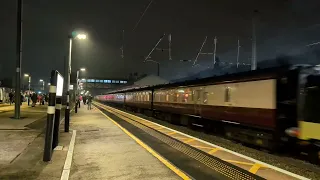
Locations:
column 259, row 107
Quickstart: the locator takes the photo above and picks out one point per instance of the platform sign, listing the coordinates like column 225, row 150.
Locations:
column 59, row 85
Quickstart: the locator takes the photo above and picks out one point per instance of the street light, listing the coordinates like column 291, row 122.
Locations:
column 73, row 35
column 29, row 86
column 81, row 36
column 77, row 88
column 41, row 80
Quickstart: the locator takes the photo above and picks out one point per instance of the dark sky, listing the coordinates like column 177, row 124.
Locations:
column 47, row 24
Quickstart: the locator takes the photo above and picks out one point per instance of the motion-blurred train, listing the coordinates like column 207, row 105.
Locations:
column 268, row 107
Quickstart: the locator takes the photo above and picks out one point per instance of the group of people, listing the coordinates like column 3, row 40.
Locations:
column 86, row 100
column 41, row 98
column 32, row 97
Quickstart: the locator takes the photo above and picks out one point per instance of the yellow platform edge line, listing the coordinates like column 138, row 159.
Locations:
column 255, row 168
column 238, row 162
column 159, row 128
column 171, row 133
column 150, row 150
column 213, row 150
column 189, row 140
column 203, row 147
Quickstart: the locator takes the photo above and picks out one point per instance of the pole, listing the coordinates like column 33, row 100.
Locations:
column 56, row 123
column 18, row 61
column 238, row 53
column 169, row 48
column 67, row 112
column 254, row 43
column 154, row 47
column 195, row 60
column 214, row 51
column 29, row 90
column 76, row 89
column 50, row 118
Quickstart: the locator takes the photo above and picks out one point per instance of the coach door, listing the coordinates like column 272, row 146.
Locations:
column 198, row 100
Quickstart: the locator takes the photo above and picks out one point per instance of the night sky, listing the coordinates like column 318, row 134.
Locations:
column 283, row 25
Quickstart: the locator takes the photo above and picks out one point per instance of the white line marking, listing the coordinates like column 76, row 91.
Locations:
column 224, row 149
column 199, row 125
column 230, row 122
column 67, row 164
column 58, row 148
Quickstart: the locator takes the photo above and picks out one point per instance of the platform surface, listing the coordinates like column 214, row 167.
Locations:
column 103, row 151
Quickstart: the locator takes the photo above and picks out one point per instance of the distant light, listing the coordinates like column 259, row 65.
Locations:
column 82, row 69
column 26, row 75
column 49, row 84
column 83, row 79
column 41, row 80
column 39, row 92
column 82, row 36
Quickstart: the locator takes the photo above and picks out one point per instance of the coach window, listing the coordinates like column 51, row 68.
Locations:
column 149, row 95
column 205, row 97
column 198, row 95
column 155, row 96
column 192, row 95
column 175, row 97
column 227, row 94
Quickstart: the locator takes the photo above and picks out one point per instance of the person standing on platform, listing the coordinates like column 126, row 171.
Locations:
column 80, row 98
column 34, row 99
column 11, row 97
column 84, row 100
column 22, row 98
column 89, row 102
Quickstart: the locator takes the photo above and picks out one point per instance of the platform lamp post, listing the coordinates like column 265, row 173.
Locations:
column 29, row 86
column 18, row 60
column 77, row 89
column 41, row 80
column 74, row 35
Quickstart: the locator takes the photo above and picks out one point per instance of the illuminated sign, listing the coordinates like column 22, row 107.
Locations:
column 71, row 87
column 59, row 85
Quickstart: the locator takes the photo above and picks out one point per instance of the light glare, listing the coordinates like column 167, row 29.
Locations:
column 82, row 36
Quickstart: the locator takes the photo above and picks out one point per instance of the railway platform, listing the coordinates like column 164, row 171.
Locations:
column 102, row 150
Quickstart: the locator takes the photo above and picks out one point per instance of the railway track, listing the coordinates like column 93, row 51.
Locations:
column 252, row 165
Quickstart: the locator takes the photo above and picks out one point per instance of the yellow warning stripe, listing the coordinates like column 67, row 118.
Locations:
column 238, row 162
column 203, row 147
column 213, row 150
column 159, row 128
column 150, row 150
column 189, row 140
column 255, row 168
column 171, row 133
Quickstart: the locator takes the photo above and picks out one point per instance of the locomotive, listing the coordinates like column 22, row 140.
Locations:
column 268, row 107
